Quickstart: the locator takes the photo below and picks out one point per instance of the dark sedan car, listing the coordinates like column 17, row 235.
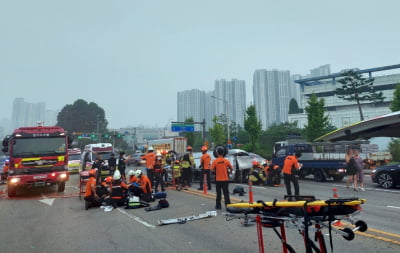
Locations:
column 387, row 176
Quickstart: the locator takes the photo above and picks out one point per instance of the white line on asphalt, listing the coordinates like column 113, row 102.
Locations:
column 135, row 218
column 368, row 189
column 398, row 207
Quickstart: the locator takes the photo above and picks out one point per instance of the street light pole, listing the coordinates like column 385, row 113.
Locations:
column 227, row 116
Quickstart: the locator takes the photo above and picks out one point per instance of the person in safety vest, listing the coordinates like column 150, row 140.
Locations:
column 205, row 165
column 256, row 174
column 222, row 167
column 118, row 191
column 158, row 173
column 164, row 154
column 131, row 178
column 290, row 167
column 142, row 186
column 192, row 164
column 177, row 172
column 5, row 170
column 150, row 158
column 186, row 171
column 91, row 198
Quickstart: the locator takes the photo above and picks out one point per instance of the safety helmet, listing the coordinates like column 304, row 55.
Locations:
column 177, row 161
column 117, row 175
column 220, row 150
column 164, row 152
column 255, row 163
column 92, row 172
column 158, row 154
column 108, row 179
column 150, row 148
column 159, row 158
column 131, row 173
column 138, row 173
column 204, row 148
column 189, row 148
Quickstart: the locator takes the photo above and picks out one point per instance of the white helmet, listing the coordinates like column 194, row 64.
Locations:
column 138, row 173
column 150, row 148
column 117, row 175
column 131, row 173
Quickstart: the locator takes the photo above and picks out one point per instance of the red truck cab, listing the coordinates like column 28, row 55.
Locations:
column 38, row 156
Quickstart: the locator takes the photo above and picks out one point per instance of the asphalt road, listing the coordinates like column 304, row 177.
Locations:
column 42, row 220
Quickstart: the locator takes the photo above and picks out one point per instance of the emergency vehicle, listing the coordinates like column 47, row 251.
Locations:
column 38, row 156
column 91, row 151
column 74, row 160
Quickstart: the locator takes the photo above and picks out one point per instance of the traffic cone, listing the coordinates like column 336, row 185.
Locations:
column 335, row 195
column 250, row 192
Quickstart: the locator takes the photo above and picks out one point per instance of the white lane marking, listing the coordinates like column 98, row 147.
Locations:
column 135, row 218
column 397, row 207
column 47, row 201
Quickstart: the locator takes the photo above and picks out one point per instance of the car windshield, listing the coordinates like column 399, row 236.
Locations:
column 50, row 146
column 74, row 157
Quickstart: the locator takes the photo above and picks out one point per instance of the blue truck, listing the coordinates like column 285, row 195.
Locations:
column 322, row 165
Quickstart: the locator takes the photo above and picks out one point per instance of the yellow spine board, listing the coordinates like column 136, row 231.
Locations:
column 298, row 203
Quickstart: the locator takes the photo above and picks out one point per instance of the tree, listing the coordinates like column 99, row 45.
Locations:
column 394, row 149
column 395, row 105
column 294, row 107
column 253, row 126
column 82, row 117
column 217, row 132
column 357, row 88
column 318, row 123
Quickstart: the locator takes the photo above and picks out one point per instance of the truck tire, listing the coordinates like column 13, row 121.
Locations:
column 319, row 176
column 61, row 186
column 12, row 191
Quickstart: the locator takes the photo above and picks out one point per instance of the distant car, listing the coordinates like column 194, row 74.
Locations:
column 387, row 176
column 135, row 159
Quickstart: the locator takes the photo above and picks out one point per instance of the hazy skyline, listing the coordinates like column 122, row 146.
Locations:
column 132, row 57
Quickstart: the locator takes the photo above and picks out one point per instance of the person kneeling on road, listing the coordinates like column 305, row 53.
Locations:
column 118, row 191
column 91, row 198
column 142, row 188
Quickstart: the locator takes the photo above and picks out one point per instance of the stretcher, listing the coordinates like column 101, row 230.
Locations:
column 305, row 213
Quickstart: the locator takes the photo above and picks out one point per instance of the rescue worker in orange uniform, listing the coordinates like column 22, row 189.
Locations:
column 118, row 190
column 222, row 167
column 5, row 170
column 150, row 158
column 142, row 186
column 205, row 165
column 290, row 166
column 91, row 198
column 256, row 174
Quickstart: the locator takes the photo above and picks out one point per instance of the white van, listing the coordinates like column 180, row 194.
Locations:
column 91, row 151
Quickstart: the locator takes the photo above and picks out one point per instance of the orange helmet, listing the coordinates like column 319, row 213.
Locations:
column 108, row 179
column 204, row 148
column 164, row 152
column 177, row 161
column 255, row 163
column 92, row 172
column 189, row 148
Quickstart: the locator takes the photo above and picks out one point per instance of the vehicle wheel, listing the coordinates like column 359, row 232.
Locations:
column 350, row 234
column 337, row 178
column 61, row 186
column 12, row 191
column 362, row 226
column 319, row 176
column 385, row 180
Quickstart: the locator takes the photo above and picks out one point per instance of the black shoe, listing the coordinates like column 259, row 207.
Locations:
column 218, row 207
column 87, row 205
column 200, row 189
column 209, row 189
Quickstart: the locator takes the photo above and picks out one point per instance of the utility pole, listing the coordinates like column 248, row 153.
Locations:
column 227, row 116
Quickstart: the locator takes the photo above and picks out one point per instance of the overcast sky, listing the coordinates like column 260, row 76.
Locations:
column 132, row 57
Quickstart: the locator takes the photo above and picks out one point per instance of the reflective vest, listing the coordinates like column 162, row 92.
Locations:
column 176, row 170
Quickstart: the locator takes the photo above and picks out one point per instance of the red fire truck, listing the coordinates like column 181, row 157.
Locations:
column 38, row 156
